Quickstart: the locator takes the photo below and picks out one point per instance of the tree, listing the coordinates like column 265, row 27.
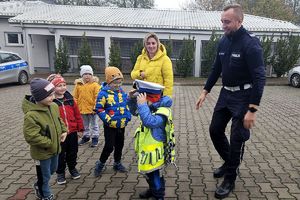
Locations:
column 277, row 9
column 266, row 43
column 184, row 64
column 169, row 47
column 85, row 53
column 61, row 62
column 273, row 9
column 209, row 53
column 115, row 55
column 136, row 51
column 286, row 55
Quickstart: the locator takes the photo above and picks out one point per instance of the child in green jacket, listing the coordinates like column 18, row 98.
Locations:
column 43, row 130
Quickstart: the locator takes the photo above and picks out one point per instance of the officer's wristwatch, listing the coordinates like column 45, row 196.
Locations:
column 252, row 109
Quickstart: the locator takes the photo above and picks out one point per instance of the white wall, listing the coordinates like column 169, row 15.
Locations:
column 6, row 27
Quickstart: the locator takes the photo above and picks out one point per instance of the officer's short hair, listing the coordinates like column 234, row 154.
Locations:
column 238, row 10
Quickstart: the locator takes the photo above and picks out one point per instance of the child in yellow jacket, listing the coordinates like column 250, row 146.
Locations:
column 85, row 94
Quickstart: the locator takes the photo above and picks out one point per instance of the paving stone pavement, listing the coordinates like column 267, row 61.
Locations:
column 270, row 170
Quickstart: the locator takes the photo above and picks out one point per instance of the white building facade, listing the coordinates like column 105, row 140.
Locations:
column 37, row 30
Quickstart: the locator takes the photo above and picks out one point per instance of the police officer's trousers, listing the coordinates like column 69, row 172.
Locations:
column 230, row 106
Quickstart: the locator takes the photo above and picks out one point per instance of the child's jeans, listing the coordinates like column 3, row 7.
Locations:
column 44, row 170
column 156, row 184
column 90, row 123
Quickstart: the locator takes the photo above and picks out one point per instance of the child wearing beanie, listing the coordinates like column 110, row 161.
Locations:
column 154, row 139
column 70, row 114
column 43, row 129
column 85, row 94
column 111, row 107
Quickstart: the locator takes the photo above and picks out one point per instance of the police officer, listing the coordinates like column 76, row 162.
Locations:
column 240, row 61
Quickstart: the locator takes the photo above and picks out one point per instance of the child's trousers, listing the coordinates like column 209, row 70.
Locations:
column 114, row 140
column 91, row 127
column 44, row 170
column 156, row 184
column 68, row 154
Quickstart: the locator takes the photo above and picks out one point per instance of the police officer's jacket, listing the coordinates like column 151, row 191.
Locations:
column 240, row 60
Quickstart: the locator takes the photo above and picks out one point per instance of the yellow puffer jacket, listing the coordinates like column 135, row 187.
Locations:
column 158, row 69
column 85, row 95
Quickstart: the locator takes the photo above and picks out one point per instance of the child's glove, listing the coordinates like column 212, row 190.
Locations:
column 133, row 93
column 63, row 136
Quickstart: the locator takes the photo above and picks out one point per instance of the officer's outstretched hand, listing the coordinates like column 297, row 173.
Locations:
column 249, row 120
column 201, row 99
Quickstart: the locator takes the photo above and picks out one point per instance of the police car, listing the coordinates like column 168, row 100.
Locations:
column 294, row 76
column 13, row 68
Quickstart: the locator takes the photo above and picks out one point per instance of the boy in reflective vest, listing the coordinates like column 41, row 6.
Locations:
column 151, row 136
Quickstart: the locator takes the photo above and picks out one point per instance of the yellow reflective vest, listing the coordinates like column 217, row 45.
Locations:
column 153, row 154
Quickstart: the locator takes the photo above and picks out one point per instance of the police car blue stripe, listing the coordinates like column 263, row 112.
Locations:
column 13, row 66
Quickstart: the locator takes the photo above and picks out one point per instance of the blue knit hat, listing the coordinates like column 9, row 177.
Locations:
column 41, row 88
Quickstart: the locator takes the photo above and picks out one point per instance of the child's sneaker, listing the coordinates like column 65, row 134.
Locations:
column 83, row 140
column 36, row 191
column 50, row 197
column 75, row 174
column 94, row 142
column 98, row 168
column 61, row 179
column 119, row 167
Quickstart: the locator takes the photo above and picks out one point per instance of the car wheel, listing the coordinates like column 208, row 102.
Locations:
column 23, row 78
column 295, row 80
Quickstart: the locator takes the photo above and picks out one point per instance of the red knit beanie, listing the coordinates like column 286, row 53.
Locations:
column 56, row 79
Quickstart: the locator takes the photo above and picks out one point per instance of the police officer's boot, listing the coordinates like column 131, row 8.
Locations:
column 225, row 188
column 147, row 193
column 220, row 172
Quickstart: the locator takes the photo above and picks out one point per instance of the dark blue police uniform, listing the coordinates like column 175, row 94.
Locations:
column 240, row 61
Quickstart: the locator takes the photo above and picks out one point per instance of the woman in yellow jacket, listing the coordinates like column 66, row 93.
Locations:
column 154, row 65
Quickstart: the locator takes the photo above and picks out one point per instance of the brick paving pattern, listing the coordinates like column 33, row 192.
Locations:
column 270, row 170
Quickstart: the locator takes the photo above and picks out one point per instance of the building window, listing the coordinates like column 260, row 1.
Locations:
column 97, row 48
column 96, row 44
column 126, row 45
column 14, row 39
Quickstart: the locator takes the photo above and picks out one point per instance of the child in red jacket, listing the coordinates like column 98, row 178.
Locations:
column 70, row 114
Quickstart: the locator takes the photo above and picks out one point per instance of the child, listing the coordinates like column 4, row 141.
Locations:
column 43, row 129
column 70, row 114
column 85, row 94
column 154, row 139
column 112, row 109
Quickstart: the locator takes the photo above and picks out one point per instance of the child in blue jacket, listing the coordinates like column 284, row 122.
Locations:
column 111, row 107
column 151, row 137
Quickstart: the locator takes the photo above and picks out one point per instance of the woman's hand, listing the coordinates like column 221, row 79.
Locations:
column 143, row 75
